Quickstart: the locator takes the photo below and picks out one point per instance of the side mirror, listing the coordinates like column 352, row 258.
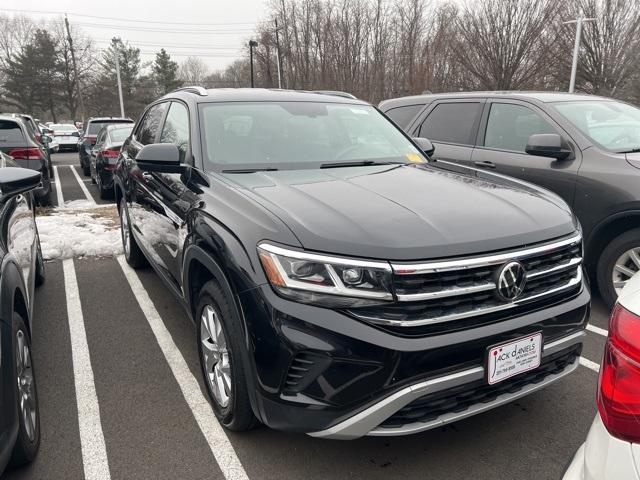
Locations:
column 159, row 157
column 547, row 145
column 16, row 180
column 425, row 145
column 45, row 138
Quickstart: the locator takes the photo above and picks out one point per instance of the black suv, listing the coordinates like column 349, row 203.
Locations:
column 584, row 148
column 340, row 285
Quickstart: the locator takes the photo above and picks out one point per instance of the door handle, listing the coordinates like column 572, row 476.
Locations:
column 485, row 164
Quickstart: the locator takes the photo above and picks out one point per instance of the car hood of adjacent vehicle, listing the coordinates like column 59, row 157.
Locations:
column 406, row 212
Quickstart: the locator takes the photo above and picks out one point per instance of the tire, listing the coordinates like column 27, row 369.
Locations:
column 236, row 414
column 40, row 272
column 86, row 170
column 45, row 199
column 28, row 440
column 612, row 254
column 105, row 193
column 132, row 252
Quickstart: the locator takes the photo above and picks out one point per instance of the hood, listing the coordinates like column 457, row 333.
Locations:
column 406, row 212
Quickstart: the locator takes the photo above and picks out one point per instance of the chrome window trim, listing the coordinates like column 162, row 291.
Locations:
column 471, row 313
column 482, row 261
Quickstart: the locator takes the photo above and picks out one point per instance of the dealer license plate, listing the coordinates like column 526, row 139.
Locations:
column 509, row 359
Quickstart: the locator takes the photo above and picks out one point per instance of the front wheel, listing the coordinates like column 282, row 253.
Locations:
column 619, row 261
column 219, row 347
column 28, row 440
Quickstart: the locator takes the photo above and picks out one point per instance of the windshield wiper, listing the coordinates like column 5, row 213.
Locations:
column 357, row 164
column 633, row 150
column 250, row 170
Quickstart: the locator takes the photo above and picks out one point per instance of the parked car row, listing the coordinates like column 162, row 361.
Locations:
column 350, row 275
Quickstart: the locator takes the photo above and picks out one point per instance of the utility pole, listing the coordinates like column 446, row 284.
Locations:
column 576, row 48
column 278, row 59
column 75, row 68
column 252, row 43
column 119, row 82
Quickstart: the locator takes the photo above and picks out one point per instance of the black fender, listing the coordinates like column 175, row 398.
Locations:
column 221, row 275
column 628, row 219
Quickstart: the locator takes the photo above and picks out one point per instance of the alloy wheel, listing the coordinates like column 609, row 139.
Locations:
column 215, row 356
column 26, row 386
column 626, row 266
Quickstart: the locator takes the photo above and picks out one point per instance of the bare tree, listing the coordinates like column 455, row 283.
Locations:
column 193, row 71
column 505, row 44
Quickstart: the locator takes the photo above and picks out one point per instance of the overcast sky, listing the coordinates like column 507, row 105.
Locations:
column 214, row 30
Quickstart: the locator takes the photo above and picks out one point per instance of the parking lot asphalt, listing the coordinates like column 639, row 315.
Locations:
column 121, row 396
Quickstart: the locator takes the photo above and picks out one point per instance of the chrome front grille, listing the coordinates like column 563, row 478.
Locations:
column 444, row 291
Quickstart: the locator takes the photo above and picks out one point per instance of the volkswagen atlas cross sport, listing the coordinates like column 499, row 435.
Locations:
column 340, row 284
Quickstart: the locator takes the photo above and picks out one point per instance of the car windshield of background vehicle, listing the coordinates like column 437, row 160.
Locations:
column 61, row 127
column 95, row 127
column 121, row 134
column 614, row 126
column 294, row 135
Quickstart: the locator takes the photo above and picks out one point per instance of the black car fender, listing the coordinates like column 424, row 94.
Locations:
column 610, row 227
column 194, row 255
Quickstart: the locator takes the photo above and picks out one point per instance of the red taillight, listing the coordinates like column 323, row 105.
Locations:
column 110, row 153
column 26, row 154
column 619, row 383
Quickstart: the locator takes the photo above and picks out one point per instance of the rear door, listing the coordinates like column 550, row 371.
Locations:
column 451, row 125
column 504, row 132
column 173, row 195
column 145, row 208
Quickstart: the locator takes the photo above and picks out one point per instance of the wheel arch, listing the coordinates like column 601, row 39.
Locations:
column 606, row 231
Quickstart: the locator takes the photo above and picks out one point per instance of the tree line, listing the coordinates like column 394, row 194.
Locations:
column 375, row 49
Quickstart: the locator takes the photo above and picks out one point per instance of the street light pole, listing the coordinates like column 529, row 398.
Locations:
column 576, row 48
column 252, row 43
column 278, row 55
column 117, row 54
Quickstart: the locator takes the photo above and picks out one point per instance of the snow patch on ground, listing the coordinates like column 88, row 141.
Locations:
column 77, row 231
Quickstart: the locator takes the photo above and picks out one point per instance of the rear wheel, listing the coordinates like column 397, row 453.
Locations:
column 85, row 169
column 45, row 198
column 619, row 261
column 28, row 440
column 132, row 252
column 104, row 192
column 219, row 347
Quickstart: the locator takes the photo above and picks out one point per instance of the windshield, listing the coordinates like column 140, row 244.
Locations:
column 120, row 134
column 61, row 127
column 292, row 135
column 613, row 125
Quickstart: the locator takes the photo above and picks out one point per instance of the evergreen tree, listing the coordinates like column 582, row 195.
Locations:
column 165, row 73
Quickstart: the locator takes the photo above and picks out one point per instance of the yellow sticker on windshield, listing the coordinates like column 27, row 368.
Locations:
column 414, row 158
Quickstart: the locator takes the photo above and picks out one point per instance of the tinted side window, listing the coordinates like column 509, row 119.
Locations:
column 401, row 116
column 509, row 126
column 150, row 124
column 176, row 128
column 11, row 134
column 452, row 123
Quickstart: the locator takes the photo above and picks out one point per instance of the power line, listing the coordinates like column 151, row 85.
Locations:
column 164, row 30
column 48, row 12
column 135, row 43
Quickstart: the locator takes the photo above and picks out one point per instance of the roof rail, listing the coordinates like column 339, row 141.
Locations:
column 335, row 93
column 193, row 89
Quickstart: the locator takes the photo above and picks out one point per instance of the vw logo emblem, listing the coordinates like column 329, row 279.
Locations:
column 511, row 280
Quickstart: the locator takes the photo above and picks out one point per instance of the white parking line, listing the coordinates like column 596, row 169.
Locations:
column 58, row 187
column 598, row 330
column 94, row 452
column 585, row 362
column 82, row 185
column 219, row 444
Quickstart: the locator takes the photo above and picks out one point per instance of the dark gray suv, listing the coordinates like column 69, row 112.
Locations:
column 584, row 148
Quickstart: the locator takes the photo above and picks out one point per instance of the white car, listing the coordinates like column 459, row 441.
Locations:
column 66, row 134
column 612, row 448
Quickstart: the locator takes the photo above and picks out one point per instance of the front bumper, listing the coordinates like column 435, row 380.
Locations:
column 328, row 374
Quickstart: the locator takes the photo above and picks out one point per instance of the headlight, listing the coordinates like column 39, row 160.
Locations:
column 325, row 280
